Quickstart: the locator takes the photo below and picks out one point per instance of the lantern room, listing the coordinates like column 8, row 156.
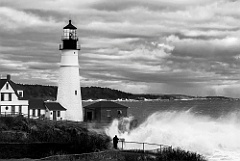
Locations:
column 69, row 38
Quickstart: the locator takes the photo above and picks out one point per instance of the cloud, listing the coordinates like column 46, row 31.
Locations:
column 118, row 5
column 57, row 5
column 29, row 71
column 132, row 45
column 15, row 19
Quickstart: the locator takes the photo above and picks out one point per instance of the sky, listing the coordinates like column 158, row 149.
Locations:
column 187, row 47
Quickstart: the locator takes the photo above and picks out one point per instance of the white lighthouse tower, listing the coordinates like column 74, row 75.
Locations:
column 69, row 90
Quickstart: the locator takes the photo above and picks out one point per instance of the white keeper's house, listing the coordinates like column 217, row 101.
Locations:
column 14, row 102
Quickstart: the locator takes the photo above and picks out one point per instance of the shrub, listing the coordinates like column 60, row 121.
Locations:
column 62, row 137
column 167, row 154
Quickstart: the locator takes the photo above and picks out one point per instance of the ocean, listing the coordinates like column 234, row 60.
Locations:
column 208, row 127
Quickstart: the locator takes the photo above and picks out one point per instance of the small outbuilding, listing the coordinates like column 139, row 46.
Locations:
column 55, row 111
column 104, row 111
column 37, row 109
column 46, row 110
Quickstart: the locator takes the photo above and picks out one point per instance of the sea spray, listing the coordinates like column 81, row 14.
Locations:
column 215, row 138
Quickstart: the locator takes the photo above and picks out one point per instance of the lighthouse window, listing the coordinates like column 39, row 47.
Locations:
column 75, row 92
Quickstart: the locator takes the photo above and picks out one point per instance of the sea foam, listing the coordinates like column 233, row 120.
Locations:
column 216, row 139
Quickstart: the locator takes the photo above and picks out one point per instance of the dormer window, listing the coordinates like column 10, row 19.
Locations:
column 20, row 93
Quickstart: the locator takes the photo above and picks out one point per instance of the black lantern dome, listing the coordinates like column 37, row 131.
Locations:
column 69, row 38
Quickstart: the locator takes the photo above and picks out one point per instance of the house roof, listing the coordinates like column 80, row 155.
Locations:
column 54, row 106
column 40, row 104
column 36, row 104
column 104, row 104
column 13, row 85
column 2, row 83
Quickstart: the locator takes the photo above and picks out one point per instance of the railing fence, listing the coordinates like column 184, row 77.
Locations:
column 143, row 146
column 13, row 114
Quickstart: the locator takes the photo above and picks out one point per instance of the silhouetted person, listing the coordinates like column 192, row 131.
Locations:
column 115, row 142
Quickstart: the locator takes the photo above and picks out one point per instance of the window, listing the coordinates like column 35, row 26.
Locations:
column 2, row 96
column 13, row 110
column 119, row 112
column 6, row 107
column 58, row 114
column 20, row 109
column 7, row 86
column 75, row 92
column 20, row 93
column 39, row 112
column 108, row 113
column 10, row 96
column 33, row 112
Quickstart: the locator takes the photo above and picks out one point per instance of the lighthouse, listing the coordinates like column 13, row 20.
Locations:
column 69, row 89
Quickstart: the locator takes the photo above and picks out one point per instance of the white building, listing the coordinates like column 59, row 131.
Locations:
column 13, row 102
column 37, row 109
column 46, row 110
column 12, row 98
column 54, row 111
column 69, row 90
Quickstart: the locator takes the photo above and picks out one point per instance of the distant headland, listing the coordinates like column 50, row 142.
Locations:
column 98, row 93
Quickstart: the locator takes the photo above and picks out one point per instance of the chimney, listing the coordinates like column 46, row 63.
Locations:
column 8, row 77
